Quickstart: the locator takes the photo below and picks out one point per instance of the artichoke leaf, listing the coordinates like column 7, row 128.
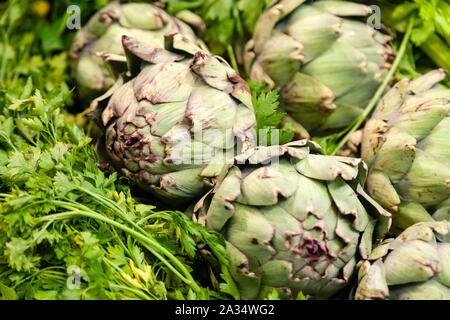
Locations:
column 428, row 290
column 347, row 202
column 251, row 233
column 326, row 168
column 373, row 284
column 414, row 261
column 264, row 185
column 314, row 29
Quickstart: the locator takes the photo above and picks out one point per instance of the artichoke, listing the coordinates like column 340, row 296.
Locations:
column 406, row 146
column 413, row 266
column 174, row 118
column 294, row 221
column 326, row 63
column 103, row 33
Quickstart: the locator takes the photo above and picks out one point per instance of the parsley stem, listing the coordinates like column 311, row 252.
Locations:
column 150, row 244
column 35, row 274
column 4, row 56
column 8, row 140
column 135, row 291
column 232, row 58
column 357, row 123
column 112, row 205
column 121, row 242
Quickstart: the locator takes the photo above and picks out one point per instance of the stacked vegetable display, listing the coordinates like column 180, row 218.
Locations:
column 247, row 209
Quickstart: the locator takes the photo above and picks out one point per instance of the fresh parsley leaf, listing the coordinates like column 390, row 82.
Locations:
column 268, row 117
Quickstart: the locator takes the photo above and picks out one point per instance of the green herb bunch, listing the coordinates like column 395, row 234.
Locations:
column 70, row 231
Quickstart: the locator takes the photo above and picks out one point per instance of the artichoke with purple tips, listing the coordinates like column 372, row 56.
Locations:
column 407, row 148
column 325, row 60
column 103, row 33
column 413, row 266
column 174, row 118
column 294, row 220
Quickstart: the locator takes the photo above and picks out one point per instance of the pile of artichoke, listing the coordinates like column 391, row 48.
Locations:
column 407, row 148
column 294, row 220
column 180, row 123
column 104, row 31
column 325, row 61
column 413, row 266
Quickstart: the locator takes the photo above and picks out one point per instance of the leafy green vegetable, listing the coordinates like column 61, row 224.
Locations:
column 68, row 231
column 267, row 116
column 34, row 41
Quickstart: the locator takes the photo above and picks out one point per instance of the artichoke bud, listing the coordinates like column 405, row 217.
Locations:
column 413, row 266
column 294, row 219
column 406, row 146
column 103, row 35
column 174, row 119
column 322, row 56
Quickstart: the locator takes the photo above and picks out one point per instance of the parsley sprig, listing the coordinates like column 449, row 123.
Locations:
column 59, row 211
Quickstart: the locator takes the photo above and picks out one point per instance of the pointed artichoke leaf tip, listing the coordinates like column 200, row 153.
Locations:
column 116, row 64
column 287, row 6
column 265, row 25
column 264, row 154
column 104, row 160
column 201, row 202
column 241, row 90
column 427, row 81
column 81, row 39
column 100, row 103
column 218, row 74
column 110, row 57
column 110, row 13
column 314, row 146
column 376, row 205
column 249, row 55
column 299, row 149
column 192, row 19
column 217, row 170
column 181, row 44
column 136, row 51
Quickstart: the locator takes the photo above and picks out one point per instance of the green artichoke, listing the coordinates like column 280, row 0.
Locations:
column 413, row 266
column 103, row 33
column 407, row 148
column 326, row 62
column 174, row 118
column 294, row 221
